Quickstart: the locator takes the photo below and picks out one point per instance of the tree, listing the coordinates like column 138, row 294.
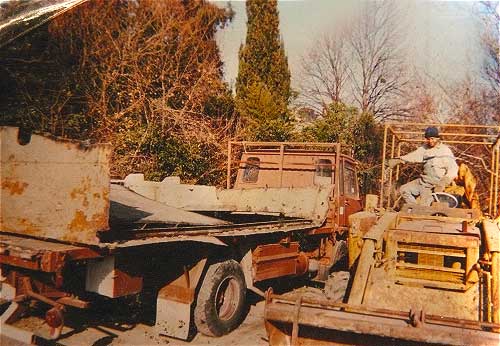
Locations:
column 145, row 76
column 346, row 125
column 360, row 64
column 325, row 72
column 490, row 42
column 491, row 66
column 263, row 89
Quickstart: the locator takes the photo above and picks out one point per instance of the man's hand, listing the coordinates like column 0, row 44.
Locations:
column 391, row 163
column 440, row 186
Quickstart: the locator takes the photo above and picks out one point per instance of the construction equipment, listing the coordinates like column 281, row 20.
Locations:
column 419, row 275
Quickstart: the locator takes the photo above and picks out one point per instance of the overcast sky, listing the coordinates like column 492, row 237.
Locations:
column 443, row 36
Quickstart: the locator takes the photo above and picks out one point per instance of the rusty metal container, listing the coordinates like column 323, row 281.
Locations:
column 53, row 188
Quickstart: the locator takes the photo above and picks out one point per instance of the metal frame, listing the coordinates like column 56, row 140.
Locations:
column 485, row 137
column 306, row 315
column 284, row 147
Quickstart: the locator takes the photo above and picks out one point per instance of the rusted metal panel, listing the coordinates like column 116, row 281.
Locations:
column 314, row 322
column 399, row 293
column 432, row 259
column 173, row 304
column 366, row 259
column 128, row 208
column 53, row 188
column 298, row 169
column 491, row 235
column 309, row 202
column 440, row 209
column 40, row 255
column 495, row 288
column 112, row 278
column 360, row 223
column 19, row 262
column 414, row 236
column 171, row 192
column 275, row 260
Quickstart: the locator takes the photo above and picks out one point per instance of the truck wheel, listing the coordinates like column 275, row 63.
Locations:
column 220, row 306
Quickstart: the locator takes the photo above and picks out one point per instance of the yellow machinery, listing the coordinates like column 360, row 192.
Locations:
column 420, row 275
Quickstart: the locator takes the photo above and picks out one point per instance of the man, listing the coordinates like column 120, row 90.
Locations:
column 440, row 168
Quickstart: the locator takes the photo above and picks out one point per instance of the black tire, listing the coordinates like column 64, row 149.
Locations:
column 220, row 305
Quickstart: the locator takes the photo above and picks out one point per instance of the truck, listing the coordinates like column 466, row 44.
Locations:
column 72, row 238
column 416, row 274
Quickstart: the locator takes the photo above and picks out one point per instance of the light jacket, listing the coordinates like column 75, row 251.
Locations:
column 439, row 162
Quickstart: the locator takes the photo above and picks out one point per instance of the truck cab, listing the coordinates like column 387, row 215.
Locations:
column 292, row 164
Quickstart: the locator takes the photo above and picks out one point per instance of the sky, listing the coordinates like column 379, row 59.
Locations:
column 442, row 38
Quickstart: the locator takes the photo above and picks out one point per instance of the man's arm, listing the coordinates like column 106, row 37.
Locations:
column 414, row 156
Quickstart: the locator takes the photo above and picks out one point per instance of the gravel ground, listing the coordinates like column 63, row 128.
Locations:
column 250, row 333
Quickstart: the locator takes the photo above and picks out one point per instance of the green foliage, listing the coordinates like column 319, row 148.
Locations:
column 263, row 89
column 192, row 161
column 344, row 124
column 336, row 125
column 264, row 118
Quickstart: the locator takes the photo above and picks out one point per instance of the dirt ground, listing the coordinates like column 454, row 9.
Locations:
column 250, row 333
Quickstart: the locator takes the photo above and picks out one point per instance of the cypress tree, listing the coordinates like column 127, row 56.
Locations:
column 263, row 84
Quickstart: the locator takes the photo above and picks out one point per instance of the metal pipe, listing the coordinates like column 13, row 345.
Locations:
column 495, row 198
column 449, row 125
column 337, row 181
column 389, row 185
column 492, row 176
column 295, row 325
column 495, row 288
column 282, row 158
column 398, row 155
column 449, row 141
column 447, row 134
column 386, row 127
column 488, row 298
column 481, row 295
column 380, row 312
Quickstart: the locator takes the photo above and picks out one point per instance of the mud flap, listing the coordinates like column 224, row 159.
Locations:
column 174, row 302
column 172, row 318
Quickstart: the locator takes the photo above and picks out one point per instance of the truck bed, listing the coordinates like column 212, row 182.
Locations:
column 136, row 220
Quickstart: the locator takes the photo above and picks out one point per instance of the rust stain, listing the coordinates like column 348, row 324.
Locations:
column 82, row 191
column 15, row 187
column 21, row 226
column 79, row 222
column 105, row 194
column 100, row 221
column 82, row 228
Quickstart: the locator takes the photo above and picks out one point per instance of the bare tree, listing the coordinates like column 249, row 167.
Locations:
column 491, row 68
column 490, row 41
column 361, row 64
column 325, row 70
column 377, row 68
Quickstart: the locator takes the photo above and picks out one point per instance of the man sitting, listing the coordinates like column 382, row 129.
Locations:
column 440, row 168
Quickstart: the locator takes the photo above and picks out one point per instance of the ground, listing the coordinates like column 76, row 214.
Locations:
column 250, row 333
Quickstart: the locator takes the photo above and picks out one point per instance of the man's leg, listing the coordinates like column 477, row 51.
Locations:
column 425, row 194
column 410, row 190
